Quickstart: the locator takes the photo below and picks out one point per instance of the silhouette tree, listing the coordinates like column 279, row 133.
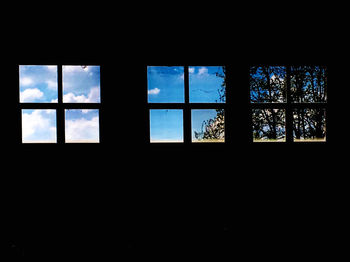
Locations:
column 308, row 84
column 268, row 85
column 214, row 129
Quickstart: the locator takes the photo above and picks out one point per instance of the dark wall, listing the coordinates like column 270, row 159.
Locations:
column 125, row 197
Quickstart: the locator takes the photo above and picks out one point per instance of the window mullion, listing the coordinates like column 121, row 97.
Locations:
column 60, row 109
column 187, row 109
column 289, row 109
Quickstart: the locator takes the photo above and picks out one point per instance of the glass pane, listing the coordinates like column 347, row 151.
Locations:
column 207, row 84
column 166, row 125
column 165, row 84
column 309, row 125
column 267, row 84
column 268, row 125
column 208, row 125
column 38, row 84
column 39, row 126
column 81, row 84
column 82, row 126
column 308, row 84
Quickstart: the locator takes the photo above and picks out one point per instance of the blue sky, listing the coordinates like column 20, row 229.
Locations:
column 82, row 125
column 166, row 84
column 198, row 116
column 204, row 84
column 38, row 84
column 81, row 84
column 39, row 126
column 275, row 80
column 166, row 125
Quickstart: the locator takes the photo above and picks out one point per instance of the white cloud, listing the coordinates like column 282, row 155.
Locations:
column 51, row 84
column 69, row 69
column 154, row 91
column 26, row 81
column 191, row 70
column 52, row 68
column 202, row 71
column 93, row 97
column 82, row 130
column 50, row 111
column 71, row 98
column 274, row 77
column 85, row 111
column 37, row 127
column 29, row 95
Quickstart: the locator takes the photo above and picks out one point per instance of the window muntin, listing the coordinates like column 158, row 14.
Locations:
column 174, row 81
column 38, row 84
column 44, row 118
column 300, row 92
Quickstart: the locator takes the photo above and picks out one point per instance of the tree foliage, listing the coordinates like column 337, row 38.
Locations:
column 214, row 129
column 308, row 84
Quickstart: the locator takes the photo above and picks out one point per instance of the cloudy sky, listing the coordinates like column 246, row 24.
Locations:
column 38, row 84
column 81, row 84
column 38, row 126
column 82, row 125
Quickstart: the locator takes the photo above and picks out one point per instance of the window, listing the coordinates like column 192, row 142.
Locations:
column 60, row 104
column 186, row 103
column 288, row 103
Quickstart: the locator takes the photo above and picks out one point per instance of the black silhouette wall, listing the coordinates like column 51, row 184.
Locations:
column 126, row 197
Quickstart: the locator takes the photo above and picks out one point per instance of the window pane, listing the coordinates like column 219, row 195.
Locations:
column 38, row 84
column 38, row 126
column 81, row 84
column 166, row 125
column 267, row 84
column 207, row 84
column 268, row 125
column 165, row 84
column 82, row 126
column 308, row 84
column 208, row 125
column 309, row 125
